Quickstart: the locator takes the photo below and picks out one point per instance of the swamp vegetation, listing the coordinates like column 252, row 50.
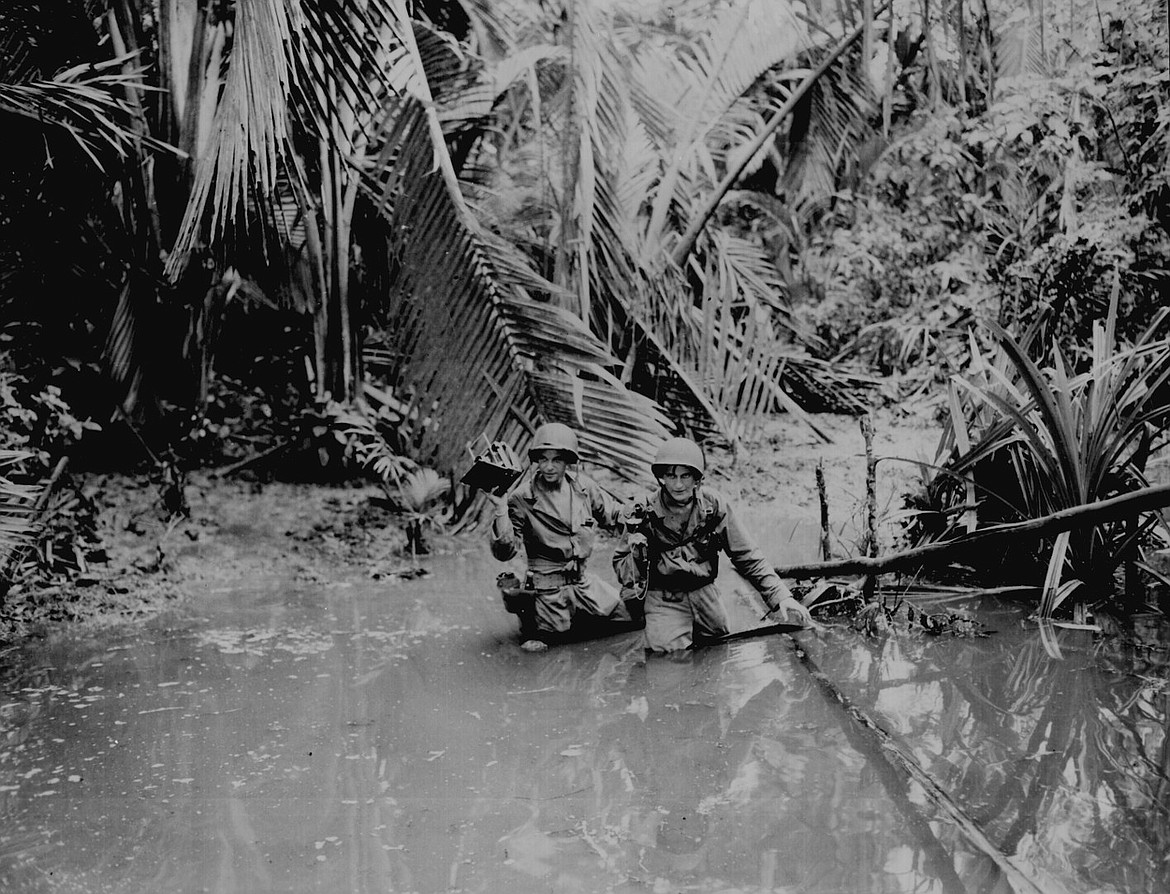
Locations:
column 333, row 242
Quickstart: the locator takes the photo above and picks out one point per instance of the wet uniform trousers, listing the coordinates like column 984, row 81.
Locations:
column 679, row 567
column 557, row 548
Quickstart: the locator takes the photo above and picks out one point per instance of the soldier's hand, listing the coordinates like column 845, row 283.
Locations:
column 499, row 504
column 792, row 612
column 637, row 544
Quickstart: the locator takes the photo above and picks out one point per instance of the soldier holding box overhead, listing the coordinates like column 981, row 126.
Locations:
column 555, row 513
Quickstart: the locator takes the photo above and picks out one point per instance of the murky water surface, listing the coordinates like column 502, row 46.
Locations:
column 392, row 737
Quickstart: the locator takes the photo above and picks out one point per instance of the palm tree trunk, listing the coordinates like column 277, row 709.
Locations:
column 565, row 268
column 931, row 59
column 962, row 29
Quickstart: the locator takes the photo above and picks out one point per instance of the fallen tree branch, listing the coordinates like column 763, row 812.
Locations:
column 250, row 460
column 1088, row 514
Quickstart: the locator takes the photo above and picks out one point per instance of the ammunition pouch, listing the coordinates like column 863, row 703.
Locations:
column 517, row 599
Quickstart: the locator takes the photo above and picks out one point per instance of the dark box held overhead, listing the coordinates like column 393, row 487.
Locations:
column 494, row 468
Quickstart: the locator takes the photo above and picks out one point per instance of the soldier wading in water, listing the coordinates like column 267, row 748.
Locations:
column 674, row 536
column 556, row 513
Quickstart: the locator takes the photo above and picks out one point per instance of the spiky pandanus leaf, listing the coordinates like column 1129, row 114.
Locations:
column 1073, row 439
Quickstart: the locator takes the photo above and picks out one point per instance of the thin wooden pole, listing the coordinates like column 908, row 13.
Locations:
column 870, row 547
column 822, row 495
column 871, row 544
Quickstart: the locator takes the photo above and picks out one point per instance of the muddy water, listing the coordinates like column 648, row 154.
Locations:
column 392, row 737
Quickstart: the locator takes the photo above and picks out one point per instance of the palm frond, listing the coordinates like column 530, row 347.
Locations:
column 698, row 88
column 1016, row 43
column 121, row 353
column 250, row 141
column 480, row 354
column 87, row 103
column 828, row 125
column 502, row 27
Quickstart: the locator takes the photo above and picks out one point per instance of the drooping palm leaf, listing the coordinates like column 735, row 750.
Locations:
column 828, row 126
column 616, row 134
column 85, row 102
column 250, row 138
column 699, row 87
column 1017, row 42
column 480, row 354
column 665, row 160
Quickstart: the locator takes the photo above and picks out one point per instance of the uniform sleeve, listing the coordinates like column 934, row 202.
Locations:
column 506, row 533
column 747, row 559
column 605, row 509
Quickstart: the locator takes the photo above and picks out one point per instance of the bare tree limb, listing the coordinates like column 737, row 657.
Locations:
column 1085, row 515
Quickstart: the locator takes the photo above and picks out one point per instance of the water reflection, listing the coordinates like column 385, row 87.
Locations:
column 1058, row 754
column 345, row 739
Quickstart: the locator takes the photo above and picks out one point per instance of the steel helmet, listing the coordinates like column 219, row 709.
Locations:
column 555, row 436
column 678, row 452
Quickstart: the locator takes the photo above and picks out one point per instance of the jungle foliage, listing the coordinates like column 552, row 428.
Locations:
column 236, row 231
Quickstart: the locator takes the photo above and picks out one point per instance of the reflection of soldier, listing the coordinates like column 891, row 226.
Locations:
column 555, row 514
column 673, row 757
column 673, row 540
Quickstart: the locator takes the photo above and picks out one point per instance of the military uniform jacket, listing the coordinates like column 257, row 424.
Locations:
column 552, row 541
column 685, row 560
